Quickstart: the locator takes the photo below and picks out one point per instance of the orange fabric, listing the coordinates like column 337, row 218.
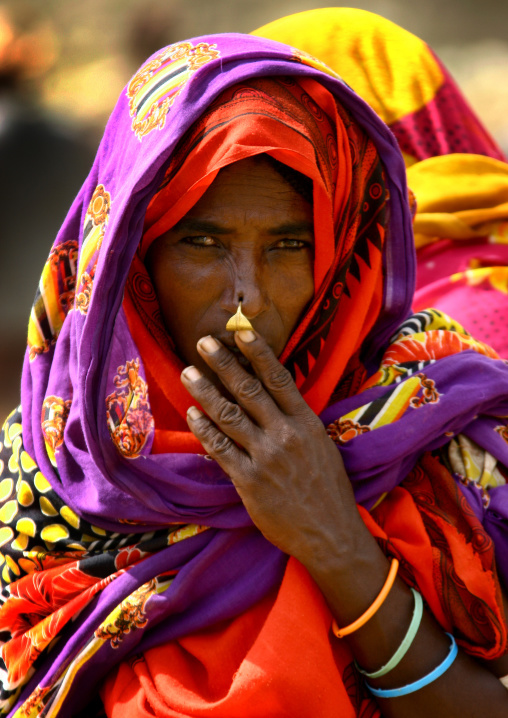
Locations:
column 263, row 662
column 446, row 553
column 299, row 124
column 275, row 660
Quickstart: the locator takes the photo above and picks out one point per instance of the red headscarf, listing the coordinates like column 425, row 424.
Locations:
column 298, row 123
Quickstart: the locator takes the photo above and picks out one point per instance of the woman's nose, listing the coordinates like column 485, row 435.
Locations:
column 248, row 286
column 253, row 301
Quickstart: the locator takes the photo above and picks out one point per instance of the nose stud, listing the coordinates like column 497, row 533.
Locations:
column 238, row 322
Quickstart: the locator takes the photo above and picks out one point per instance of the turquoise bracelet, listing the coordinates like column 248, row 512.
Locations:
column 417, row 685
column 406, row 643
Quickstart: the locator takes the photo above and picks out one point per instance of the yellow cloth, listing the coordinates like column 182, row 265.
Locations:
column 458, row 196
column 365, row 50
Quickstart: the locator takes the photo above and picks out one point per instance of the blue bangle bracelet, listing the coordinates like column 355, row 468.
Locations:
column 417, row 685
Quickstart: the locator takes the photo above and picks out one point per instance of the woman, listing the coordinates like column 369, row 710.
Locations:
column 455, row 169
column 148, row 521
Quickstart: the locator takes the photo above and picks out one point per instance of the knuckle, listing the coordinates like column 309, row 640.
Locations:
column 249, row 388
column 220, row 445
column 279, row 379
column 230, row 414
column 208, row 392
column 224, row 361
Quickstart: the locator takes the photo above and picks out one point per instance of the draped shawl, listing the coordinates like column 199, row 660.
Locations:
column 110, row 548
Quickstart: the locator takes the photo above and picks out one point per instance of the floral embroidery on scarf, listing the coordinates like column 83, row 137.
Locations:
column 415, row 392
column 158, row 83
column 100, row 205
column 37, row 609
column 85, row 292
column 128, row 616
column 96, row 220
column 343, row 430
column 32, row 707
column 503, row 432
column 54, row 417
column 429, row 395
column 130, row 420
column 54, row 298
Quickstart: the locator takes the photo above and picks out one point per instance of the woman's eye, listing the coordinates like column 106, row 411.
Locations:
column 203, row 241
column 293, row 244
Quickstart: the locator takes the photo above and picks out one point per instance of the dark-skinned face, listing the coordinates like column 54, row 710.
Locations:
column 249, row 237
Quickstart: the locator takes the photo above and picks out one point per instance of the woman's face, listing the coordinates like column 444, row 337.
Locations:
column 249, row 237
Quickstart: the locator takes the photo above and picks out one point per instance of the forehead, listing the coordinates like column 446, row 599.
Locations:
column 251, row 185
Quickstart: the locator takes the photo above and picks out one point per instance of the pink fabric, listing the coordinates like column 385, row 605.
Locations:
column 479, row 303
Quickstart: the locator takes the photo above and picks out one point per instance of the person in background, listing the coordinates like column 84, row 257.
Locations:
column 43, row 163
column 455, row 170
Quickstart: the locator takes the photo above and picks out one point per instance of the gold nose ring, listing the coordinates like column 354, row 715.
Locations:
column 238, row 322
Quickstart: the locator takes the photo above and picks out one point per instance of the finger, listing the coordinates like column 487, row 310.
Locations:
column 275, row 377
column 216, row 444
column 247, row 389
column 230, row 418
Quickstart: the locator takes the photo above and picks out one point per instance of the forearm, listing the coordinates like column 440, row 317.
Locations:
column 350, row 575
column 293, row 483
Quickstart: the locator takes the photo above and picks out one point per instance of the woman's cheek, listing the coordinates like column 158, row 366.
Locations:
column 293, row 290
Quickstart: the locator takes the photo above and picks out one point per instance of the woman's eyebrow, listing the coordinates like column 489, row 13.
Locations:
column 203, row 226
column 292, row 228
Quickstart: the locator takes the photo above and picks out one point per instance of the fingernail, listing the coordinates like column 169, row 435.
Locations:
column 191, row 373
column 209, row 345
column 246, row 336
column 193, row 413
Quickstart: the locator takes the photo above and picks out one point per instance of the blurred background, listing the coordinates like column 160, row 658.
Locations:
column 64, row 62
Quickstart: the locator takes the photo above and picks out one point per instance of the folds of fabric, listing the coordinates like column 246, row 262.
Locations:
column 266, row 665
column 407, row 85
column 396, row 73
column 426, row 512
column 461, row 231
column 257, row 664
column 459, row 196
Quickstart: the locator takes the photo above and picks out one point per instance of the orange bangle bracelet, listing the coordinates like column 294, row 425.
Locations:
column 390, row 580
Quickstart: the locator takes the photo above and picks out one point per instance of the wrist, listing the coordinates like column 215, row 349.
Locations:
column 350, row 584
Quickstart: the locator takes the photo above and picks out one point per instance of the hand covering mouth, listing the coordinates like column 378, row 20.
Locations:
column 238, row 354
